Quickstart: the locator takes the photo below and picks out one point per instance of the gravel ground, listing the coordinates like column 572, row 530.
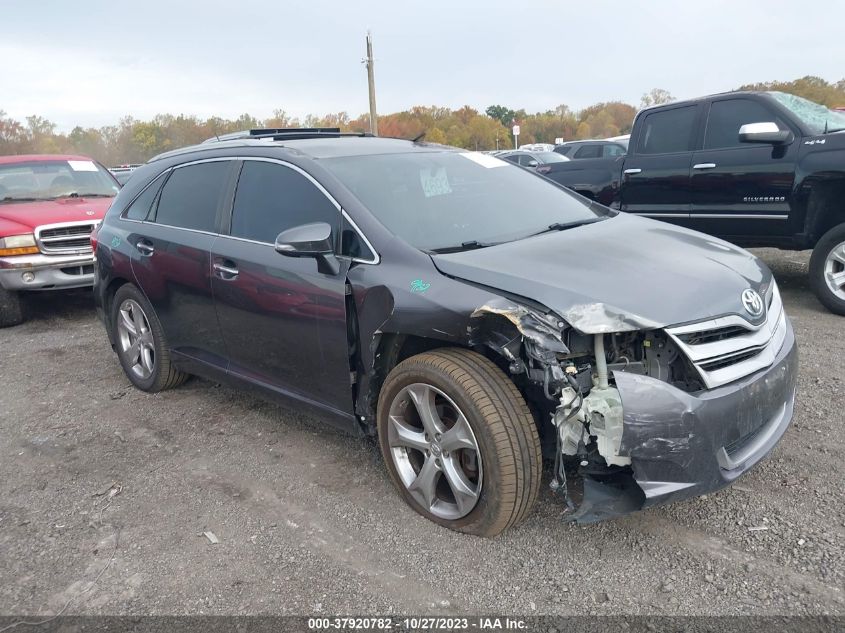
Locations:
column 106, row 494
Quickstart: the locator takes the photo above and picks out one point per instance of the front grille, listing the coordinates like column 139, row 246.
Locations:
column 730, row 359
column 728, row 348
column 78, row 270
column 711, row 336
column 65, row 238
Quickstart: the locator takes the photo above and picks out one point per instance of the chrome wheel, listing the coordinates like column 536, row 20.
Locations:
column 834, row 270
column 135, row 339
column 435, row 451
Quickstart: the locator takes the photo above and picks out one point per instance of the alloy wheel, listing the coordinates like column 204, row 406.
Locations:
column 135, row 338
column 435, row 451
column 834, row 270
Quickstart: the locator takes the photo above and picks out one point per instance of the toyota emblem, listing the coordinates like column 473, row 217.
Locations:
column 752, row 302
column 90, row 212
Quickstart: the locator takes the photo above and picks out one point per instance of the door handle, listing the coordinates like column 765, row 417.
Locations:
column 704, row 166
column 632, row 171
column 225, row 272
column 144, row 247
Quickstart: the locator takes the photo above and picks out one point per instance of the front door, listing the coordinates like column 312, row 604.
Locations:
column 656, row 172
column 741, row 189
column 283, row 318
column 172, row 261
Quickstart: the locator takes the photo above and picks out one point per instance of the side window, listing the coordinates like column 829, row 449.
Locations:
column 610, row 151
column 726, row 117
column 667, row 131
column 140, row 207
column 191, row 195
column 527, row 160
column 271, row 198
column 511, row 158
column 588, row 151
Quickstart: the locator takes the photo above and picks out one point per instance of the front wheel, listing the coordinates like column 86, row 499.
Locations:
column 827, row 270
column 459, row 441
column 10, row 308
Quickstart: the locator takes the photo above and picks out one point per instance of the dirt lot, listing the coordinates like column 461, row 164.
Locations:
column 308, row 522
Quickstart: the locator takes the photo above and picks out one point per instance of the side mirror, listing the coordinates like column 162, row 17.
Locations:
column 306, row 240
column 533, row 163
column 767, row 132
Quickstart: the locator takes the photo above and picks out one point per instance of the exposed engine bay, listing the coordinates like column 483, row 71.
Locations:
column 570, row 379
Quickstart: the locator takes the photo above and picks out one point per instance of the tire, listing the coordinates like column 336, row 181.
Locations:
column 504, row 481
column 10, row 308
column 149, row 369
column 827, row 270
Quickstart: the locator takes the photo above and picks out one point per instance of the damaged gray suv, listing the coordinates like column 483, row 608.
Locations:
column 474, row 317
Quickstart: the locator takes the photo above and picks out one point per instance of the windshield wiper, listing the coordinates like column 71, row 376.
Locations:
column 562, row 226
column 75, row 194
column 11, row 199
column 464, row 246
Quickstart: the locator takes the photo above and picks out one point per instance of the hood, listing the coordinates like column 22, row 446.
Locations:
column 28, row 215
column 624, row 273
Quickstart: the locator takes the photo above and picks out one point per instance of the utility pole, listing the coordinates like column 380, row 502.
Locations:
column 372, row 85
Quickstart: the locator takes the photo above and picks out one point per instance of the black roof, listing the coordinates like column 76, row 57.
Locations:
column 764, row 93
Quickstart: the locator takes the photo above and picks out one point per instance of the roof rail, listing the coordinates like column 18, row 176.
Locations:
column 282, row 134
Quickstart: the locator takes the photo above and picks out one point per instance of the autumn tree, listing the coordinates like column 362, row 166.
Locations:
column 656, row 96
column 12, row 135
column 134, row 141
column 812, row 88
column 502, row 114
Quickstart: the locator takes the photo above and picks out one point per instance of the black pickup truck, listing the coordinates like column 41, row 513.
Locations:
column 753, row 168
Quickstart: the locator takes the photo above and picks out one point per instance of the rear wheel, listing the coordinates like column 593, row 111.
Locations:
column 10, row 308
column 827, row 269
column 140, row 343
column 459, row 441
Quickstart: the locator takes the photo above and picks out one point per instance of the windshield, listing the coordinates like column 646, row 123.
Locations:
column 550, row 157
column 818, row 118
column 439, row 200
column 48, row 180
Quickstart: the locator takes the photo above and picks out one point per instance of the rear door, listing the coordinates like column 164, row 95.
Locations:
column 283, row 318
column 172, row 257
column 656, row 174
column 741, row 189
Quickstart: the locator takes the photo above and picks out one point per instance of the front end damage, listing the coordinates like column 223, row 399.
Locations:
column 629, row 418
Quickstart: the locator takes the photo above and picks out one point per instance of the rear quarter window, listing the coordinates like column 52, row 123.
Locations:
column 140, row 207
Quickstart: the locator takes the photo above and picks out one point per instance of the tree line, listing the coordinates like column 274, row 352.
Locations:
column 135, row 141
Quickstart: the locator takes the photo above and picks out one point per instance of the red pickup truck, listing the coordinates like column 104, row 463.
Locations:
column 49, row 204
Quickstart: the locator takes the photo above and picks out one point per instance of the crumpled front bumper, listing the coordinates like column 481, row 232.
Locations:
column 683, row 445
column 46, row 272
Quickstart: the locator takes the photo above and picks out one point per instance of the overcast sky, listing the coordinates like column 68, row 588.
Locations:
column 89, row 63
